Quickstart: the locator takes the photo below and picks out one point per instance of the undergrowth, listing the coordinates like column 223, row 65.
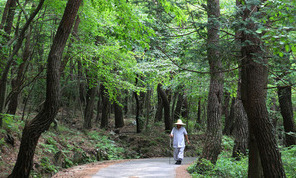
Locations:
column 228, row 167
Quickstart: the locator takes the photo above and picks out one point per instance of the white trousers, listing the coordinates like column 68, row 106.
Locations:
column 179, row 153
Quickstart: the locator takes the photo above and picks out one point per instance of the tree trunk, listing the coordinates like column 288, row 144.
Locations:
column 166, row 106
column 178, row 108
column 99, row 109
column 118, row 114
column 212, row 146
column 81, row 83
column 34, row 128
column 10, row 16
column 159, row 110
column 17, row 82
column 89, row 108
column 198, row 119
column 105, row 107
column 240, row 126
column 255, row 169
column 285, row 100
column 225, row 107
column 240, row 131
column 185, row 110
column 254, row 84
column 229, row 121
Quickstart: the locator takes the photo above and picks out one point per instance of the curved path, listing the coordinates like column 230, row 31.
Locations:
column 143, row 168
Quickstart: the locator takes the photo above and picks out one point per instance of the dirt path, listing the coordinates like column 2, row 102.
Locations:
column 156, row 166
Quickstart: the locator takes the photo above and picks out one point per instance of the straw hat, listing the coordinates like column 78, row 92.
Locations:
column 179, row 122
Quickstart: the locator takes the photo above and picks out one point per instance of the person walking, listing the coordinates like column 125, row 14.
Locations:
column 179, row 134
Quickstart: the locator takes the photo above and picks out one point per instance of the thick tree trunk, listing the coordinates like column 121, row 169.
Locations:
column 166, row 106
column 212, row 146
column 89, row 108
column 42, row 121
column 254, row 83
column 118, row 114
column 285, row 100
column 255, row 169
column 105, row 107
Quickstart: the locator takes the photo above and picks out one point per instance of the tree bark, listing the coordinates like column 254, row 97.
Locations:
column 34, row 128
column 254, row 84
column 89, row 108
column 212, row 146
column 119, row 122
column 105, row 107
column 285, row 100
column 229, row 121
column 159, row 110
column 166, row 106
column 240, row 126
column 178, row 108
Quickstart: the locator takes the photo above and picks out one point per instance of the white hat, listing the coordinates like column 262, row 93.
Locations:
column 179, row 122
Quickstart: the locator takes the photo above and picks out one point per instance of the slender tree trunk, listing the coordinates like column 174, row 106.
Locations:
column 285, row 100
column 119, row 122
column 240, row 126
column 159, row 110
column 254, row 84
column 17, row 82
column 166, row 106
column 198, row 119
column 81, row 83
column 229, row 121
column 212, row 146
column 99, row 110
column 105, row 107
column 178, row 108
column 225, row 107
column 89, row 108
column 42, row 121
column 148, row 107
column 185, row 110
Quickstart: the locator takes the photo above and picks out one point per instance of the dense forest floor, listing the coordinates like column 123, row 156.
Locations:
column 67, row 145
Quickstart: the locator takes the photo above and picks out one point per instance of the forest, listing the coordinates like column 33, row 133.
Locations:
column 93, row 80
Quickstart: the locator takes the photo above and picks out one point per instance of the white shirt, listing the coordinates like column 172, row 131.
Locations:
column 179, row 139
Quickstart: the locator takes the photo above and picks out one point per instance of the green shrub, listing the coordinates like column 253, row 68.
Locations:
column 289, row 160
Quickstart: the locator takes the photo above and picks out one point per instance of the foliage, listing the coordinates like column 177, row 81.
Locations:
column 289, row 160
column 103, row 143
column 226, row 166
